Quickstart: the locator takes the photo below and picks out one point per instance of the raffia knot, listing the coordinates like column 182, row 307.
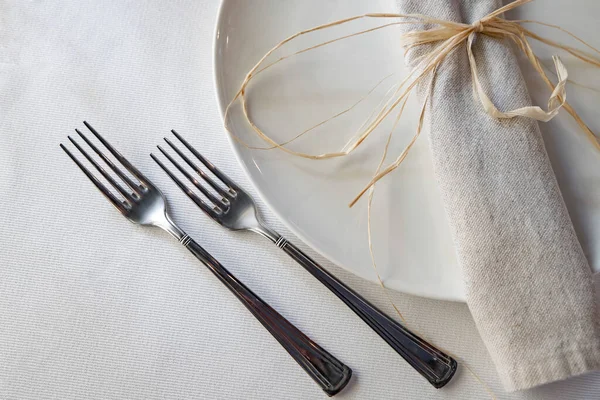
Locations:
column 477, row 26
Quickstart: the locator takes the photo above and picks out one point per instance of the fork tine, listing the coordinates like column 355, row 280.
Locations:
column 111, row 197
column 132, row 185
column 208, row 194
column 199, row 202
column 134, row 171
column 199, row 171
column 105, row 174
column 217, row 172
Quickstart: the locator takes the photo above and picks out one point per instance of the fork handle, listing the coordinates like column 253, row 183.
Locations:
column 437, row 367
column 329, row 373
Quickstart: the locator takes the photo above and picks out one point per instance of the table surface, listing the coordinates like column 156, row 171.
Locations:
column 94, row 307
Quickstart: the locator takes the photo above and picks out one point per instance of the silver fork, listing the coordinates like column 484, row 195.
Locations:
column 144, row 204
column 234, row 209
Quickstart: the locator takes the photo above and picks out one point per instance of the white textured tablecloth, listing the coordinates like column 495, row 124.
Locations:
column 93, row 307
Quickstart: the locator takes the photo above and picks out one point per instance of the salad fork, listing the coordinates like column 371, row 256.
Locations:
column 234, row 209
column 142, row 203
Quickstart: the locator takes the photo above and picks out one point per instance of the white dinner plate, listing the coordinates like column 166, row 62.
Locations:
column 412, row 243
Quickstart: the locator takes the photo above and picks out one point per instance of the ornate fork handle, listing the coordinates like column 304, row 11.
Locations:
column 437, row 367
column 329, row 373
column 142, row 203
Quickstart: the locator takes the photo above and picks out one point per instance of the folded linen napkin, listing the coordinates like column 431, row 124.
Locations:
column 529, row 286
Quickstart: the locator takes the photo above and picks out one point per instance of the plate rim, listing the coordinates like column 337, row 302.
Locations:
column 236, row 151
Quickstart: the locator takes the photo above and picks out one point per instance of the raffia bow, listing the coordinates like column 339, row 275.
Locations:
column 445, row 37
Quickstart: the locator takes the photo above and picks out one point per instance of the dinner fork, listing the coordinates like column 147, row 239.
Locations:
column 142, row 203
column 233, row 208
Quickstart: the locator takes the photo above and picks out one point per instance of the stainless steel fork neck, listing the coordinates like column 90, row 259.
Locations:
column 267, row 232
column 168, row 225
